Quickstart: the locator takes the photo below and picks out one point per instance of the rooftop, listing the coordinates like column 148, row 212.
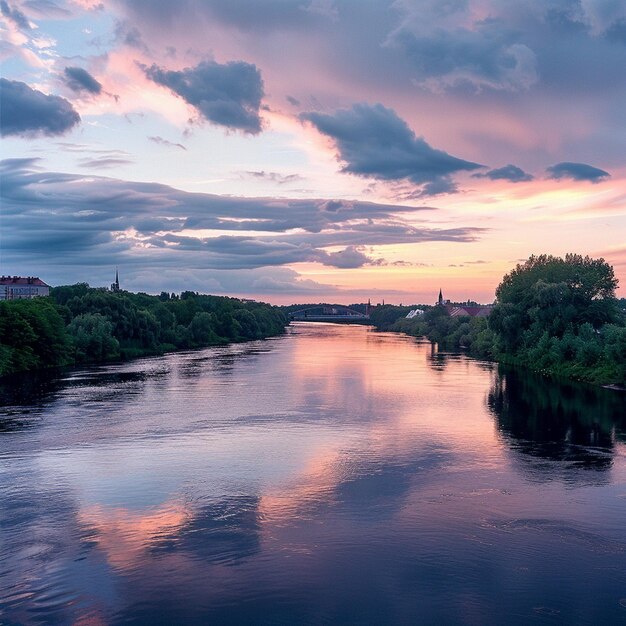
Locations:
column 22, row 280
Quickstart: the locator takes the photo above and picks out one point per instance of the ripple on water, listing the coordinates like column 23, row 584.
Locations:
column 330, row 475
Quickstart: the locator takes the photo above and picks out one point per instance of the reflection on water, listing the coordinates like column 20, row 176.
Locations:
column 575, row 424
column 332, row 475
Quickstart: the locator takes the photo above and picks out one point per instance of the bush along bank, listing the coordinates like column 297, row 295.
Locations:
column 558, row 316
column 78, row 324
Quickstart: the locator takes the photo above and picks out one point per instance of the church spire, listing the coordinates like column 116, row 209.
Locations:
column 440, row 301
column 116, row 285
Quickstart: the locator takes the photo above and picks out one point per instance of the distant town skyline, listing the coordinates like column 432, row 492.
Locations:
column 310, row 150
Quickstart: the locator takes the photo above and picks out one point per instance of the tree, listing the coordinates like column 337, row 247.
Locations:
column 202, row 329
column 92, row 337
column 560, row 315
column 553, row 294
column 32, row 335
column 545, row 280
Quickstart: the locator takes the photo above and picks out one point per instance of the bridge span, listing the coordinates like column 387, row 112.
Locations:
column 326, row 313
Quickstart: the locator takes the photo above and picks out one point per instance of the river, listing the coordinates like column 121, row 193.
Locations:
column 332, row 475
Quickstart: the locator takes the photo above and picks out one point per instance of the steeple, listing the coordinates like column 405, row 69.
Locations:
column 116, row 285
column 440, row 300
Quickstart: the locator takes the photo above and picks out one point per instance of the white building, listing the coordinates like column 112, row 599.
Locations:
column 19, row 287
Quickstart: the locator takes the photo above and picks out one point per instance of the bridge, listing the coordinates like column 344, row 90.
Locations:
column 329, row 313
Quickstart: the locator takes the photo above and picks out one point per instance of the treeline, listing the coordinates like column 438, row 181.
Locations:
column 554, row 315
column 79, row 324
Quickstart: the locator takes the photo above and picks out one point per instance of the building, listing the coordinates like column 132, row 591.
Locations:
column 20, row 287
column 465, row 310
column 441, row 301
column 462, row 309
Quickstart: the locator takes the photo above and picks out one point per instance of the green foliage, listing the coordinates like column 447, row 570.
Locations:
column 552, row 294
column 92, row 337
column 32, row 335
column 588, row 279
column 84, row 325
column 554, row 315
column 387, row 314
column 202, row 329
column 559, row 316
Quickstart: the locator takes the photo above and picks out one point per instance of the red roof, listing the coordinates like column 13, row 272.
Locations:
column 459, row 310
column 21, row 280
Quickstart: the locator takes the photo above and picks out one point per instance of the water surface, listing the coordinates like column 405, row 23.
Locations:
column 333, row 475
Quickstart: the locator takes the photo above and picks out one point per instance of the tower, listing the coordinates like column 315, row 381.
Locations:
column 116, row 285
column 440, row 300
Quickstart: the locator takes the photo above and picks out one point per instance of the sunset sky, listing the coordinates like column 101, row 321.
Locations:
column 310, row 150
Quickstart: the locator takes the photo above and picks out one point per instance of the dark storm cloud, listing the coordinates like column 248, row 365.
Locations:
column 512, row 173
column 67, row 218
column 374, row 142
column 229, row 95
column 78, row 80
column 577, row 171
column 15, row 15
column 28, row 112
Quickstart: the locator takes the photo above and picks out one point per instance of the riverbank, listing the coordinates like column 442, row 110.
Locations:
column 552, row 315
column 79, row 325
column 587, row 356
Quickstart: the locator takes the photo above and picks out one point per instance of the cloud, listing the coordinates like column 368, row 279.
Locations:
column 257, row 282
column 27, row 112
column 78, row 79
column 228, row 95
column 47, row 8
column 577, row 171
column 165, row 142
column 616, row 32
column 512, row 173
column 374, row 142
column 485, row 56
column 74, row 221
column 516, row 79
column 437, row 187
column 129, row 35
column 15, row 15
column 348, row 258
column 274, row 177
column 104, row 162
column 265, row 16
